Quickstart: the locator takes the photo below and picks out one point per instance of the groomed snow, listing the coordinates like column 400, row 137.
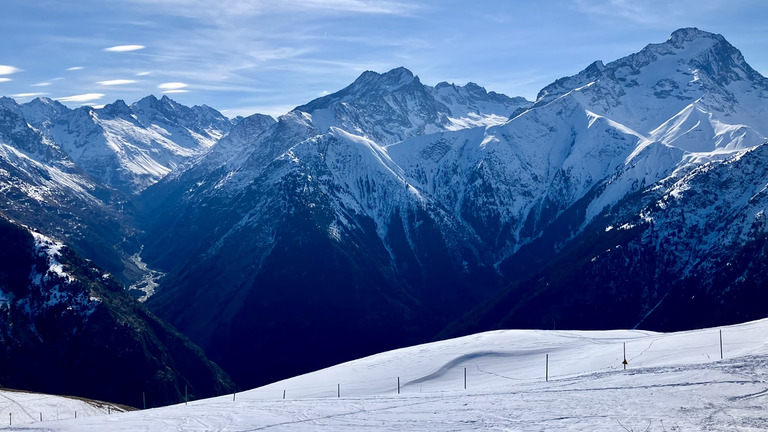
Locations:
column 673, row 382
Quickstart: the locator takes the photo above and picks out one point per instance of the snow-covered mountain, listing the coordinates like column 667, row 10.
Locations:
column 70, row 173
column 68, row 327
column 308, row 193
column 132, row 147
column 123, row 147
column 394, row 199
column 42, row 186
column 391, row 211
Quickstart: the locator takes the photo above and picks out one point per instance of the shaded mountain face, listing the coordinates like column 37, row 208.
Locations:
column 309, row 217
column 69, row 328
column 380, row 210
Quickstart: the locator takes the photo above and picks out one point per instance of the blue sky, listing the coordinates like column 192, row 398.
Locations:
column 269, row 56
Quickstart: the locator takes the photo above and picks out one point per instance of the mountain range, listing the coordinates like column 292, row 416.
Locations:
column 393, row 212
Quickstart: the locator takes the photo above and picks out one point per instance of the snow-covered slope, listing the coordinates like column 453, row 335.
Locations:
column 503, row 380
column 21, row 407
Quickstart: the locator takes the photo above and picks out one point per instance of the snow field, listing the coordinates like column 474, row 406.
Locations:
column 18, row 408
column 673, row 382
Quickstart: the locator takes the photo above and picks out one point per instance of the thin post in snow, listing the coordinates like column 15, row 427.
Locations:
column 144, row 399
column 41, row 416
column 398, row 385
column 233, row 396
column 465, row 378
column 283, row 394
column 10, row 419
column 721, row 344
column 625, row 356
column 75, row 414
column 546, row 369
column 338, row 390
column 186, row 395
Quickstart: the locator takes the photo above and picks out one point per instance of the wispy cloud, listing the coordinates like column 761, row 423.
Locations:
column 2, row 80
column 40, row 84
column 651, row 13
column 206, row 9
column 116, row 82
column 81, row 97
column 125, row 48
column 27, row 95
column 8, row 70
column 172, row 86
column 176, row 91
column 353, row 6
column 75, row 68
column 143, row 74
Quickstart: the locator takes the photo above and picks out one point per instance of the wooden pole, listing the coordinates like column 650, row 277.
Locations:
column 721, row 344
column 283, row 394
column 10, row 419
column 144, row 399
column 625, row 356
column 186, row 395
column 338, row 390
column 465, row 378
column 233, row 396
column 546, row 370
column 398, row 385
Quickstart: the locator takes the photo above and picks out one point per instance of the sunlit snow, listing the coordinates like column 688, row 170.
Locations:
column 526, row 380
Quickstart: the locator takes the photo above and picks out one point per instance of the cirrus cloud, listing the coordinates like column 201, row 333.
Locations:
column 81, row 97
column 7, row 70
column 116, row 82
column 172, row 86
column 27, row 95
column 125, row 48
column 2, row 80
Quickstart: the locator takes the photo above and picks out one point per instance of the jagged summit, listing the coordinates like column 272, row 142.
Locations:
column 690, row 34
column 117, row 108
column 368, row 82
column 389, row 80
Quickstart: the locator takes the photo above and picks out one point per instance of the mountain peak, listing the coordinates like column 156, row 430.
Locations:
column 690, row 34
column 391, row 80
column 399, row 73
column 369, row 82
column 8, row 103
column 117, row 108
